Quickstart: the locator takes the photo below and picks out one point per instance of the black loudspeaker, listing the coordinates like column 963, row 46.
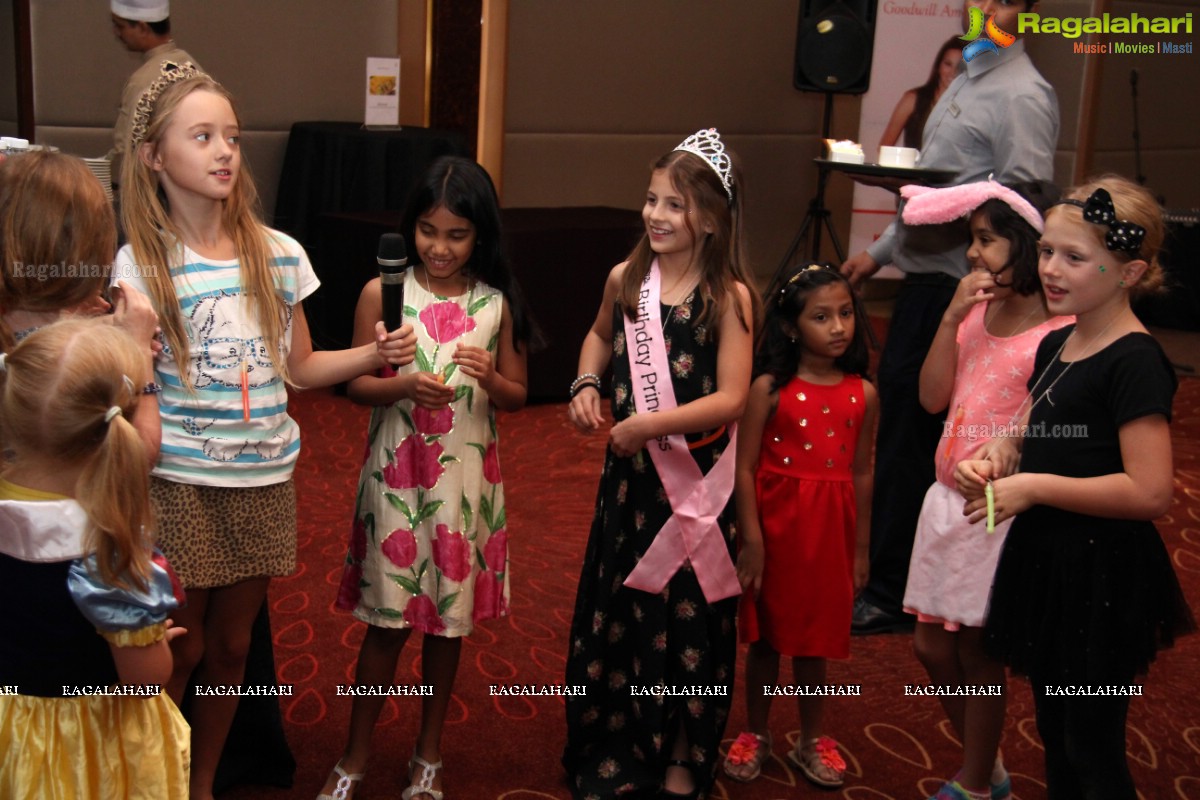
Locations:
column 1178, row 305
column 834, row 41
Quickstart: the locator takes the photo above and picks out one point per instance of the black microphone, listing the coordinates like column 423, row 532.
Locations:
column 392, row 258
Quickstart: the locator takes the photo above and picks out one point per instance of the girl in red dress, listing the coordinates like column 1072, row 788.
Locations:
column 803, row 492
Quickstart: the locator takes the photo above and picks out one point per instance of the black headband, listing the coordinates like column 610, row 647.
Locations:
column 1122, row 235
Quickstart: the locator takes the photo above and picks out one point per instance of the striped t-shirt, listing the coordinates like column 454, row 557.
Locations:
column 205, row 439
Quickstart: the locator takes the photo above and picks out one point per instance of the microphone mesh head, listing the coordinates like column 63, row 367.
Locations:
column 392, row 252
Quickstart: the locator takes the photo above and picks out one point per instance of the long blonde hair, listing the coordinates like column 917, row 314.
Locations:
column 146, row 215
column 56, row 391
column 722, row 256
column 58, row 235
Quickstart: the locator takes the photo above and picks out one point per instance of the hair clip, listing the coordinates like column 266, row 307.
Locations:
column 169, row 73
column 128, row 381
column 799, row 274
column 708, row 146
column 3, row 362
column 1122, row 236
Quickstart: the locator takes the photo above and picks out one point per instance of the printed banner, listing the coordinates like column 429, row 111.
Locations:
column 383, row 92
column 908, row 35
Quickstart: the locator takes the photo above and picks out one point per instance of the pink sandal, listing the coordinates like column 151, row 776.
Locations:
column 748, row 749
column 820, row 762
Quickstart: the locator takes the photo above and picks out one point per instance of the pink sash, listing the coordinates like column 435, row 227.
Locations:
column 692, row 532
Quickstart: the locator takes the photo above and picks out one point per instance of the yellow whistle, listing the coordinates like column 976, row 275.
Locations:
column 991, row 507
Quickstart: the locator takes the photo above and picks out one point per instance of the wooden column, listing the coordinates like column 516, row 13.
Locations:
column 493, row 74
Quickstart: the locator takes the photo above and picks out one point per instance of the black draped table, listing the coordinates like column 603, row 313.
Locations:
column 342, row 167
column 335, row 175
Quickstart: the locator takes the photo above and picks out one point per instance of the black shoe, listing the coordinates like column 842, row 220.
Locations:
column 869, row 618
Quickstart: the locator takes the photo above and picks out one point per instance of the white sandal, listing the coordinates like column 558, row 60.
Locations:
column 423, row 785
column 345, row 784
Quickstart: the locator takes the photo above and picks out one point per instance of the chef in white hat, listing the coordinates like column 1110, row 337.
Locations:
column 143, row 26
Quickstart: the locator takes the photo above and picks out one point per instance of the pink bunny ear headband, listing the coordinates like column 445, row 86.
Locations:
column 929, row 206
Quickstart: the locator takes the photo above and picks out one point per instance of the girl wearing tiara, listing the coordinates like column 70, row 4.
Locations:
column 658, row 591
column 1084, row 594
column 228, row 292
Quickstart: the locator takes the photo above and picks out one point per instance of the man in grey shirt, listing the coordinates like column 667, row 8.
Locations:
column 999, row 117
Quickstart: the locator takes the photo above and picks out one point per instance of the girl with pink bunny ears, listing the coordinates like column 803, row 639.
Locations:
column 976, row 371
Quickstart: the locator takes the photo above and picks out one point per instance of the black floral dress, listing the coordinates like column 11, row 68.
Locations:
column 650, row 662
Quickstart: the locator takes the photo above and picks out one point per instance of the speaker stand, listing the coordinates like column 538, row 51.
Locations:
column 818, row 215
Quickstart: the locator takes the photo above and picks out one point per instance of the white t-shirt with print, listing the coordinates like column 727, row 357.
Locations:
column 205, row 439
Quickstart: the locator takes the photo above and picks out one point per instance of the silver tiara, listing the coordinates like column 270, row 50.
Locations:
column 169, row 72
column 707, row 144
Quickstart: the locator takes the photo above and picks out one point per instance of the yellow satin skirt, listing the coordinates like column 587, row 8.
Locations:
column 101, row 748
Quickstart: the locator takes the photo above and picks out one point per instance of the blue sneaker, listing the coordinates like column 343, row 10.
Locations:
column 953, row 790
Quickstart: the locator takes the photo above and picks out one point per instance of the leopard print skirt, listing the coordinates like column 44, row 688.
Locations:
column 218, row 535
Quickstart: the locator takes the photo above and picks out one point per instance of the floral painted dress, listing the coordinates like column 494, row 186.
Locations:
column 650, row 663
column 429, row 549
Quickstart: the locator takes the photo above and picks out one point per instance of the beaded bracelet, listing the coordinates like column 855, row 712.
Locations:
column 587, row 376
column 151, row 388
column 582, row 386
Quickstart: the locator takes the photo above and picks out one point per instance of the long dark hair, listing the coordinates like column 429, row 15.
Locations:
column 935, row 73
column 780, row 352
column 926, row 94
column 1021, row 237
column 465, row 189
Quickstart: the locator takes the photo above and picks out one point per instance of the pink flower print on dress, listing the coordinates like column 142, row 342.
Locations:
column 358, row 541
column 445, row 321
column 682, row 365
column 349, row 590
column 489, row 597
column 433, row 422
column 685, row 609
column 416, row 464
column 452, row 554
column 422, row 614
column 495, row 552
column 400, row 547
column 491, row 464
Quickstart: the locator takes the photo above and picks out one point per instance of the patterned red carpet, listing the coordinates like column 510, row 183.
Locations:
column 507, row 748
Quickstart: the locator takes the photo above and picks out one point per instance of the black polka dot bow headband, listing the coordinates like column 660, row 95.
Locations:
column 1122, row 235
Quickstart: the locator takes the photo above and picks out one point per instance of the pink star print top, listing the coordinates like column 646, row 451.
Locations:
column 989, row 387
